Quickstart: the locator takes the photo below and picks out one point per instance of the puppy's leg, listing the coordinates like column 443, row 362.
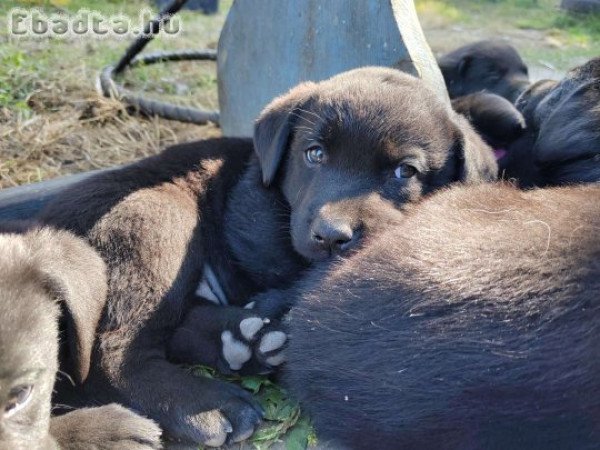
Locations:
column 153, row 265
column 188, row 408
column 230, row 339
column 109, row 427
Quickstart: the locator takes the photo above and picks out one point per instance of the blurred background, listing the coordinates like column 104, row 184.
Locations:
column 53, row 122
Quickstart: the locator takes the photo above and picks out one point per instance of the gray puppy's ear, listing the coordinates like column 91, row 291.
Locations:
column 273, row 129
column 476, row 159
column 74, row 275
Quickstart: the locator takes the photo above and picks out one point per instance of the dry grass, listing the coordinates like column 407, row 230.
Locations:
column 87, row 134
column 53, row 121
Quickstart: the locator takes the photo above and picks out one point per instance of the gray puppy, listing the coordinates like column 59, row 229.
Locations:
column 42, row 272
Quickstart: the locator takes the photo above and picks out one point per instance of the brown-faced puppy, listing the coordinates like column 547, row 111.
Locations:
column 222, row 220
column 472, row 324
column 490, row 65
column 562, row 144
column 44, row 272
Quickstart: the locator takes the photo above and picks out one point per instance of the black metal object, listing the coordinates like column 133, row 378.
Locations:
column 206, row 6
column 110, row 88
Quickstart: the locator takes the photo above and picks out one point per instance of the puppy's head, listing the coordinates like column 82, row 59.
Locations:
column 564, row 118
column 496, row 119
column 341, row 148
column 42, row 271
column 490, row 65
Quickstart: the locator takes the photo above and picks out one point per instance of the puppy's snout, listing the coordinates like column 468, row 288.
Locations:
column 336, row 236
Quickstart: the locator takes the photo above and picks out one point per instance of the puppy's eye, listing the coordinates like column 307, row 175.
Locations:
column 315, row 154
column 17, row 399
column 405, row 171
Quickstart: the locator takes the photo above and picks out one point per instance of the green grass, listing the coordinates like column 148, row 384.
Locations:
column 26, row 63
column 283, row 419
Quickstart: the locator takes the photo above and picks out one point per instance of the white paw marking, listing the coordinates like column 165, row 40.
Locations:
column 203, row 290
column 272, row 341
column 250, row 305
column 209, row 287
column 218, row 429
column 250, row 326
column 235, row 352
column 276, row 360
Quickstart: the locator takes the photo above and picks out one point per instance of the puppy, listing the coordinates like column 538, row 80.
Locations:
column 496, row 119
column 472, row 324
column 223, row 221
column 562, row 144
column 490, row 65
column 41, row 273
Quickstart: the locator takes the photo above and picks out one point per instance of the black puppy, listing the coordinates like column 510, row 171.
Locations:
column 496, row 119
column 490, row 65
column 237, row 219
column 472, row 324
column 41, row 272
column 562, row 144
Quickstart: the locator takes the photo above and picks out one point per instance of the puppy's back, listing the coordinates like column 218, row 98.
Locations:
column 473, row 324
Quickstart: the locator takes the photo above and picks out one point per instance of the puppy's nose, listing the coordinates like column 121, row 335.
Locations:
column 334, row 235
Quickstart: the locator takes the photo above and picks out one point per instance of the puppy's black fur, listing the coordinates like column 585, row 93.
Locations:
column 256, row 216
column 41, row 273
column 496, row 119
column 472, row 324
column 490, row 65
column 562, row 143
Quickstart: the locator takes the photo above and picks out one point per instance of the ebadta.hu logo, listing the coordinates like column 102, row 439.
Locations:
column 27, row 23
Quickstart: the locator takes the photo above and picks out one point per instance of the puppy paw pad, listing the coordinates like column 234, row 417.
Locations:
column 276, row 360
column 272, row 341
column 236, row 353
column 250, row 326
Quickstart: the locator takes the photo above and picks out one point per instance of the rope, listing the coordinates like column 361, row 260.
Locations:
column 141, row 104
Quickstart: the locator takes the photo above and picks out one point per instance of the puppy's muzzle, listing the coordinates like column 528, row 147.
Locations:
column 334, row 235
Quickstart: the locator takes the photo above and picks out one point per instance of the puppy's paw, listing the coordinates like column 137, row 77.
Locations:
column 253, row 345
column 110, row 427
column 230, row 339
column 234, row 420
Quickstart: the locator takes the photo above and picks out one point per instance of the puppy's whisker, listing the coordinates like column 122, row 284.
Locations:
column 303, row 118
column 66, row 375
column 312, row 113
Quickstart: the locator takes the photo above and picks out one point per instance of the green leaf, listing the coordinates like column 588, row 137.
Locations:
column 298, row 437
column 253, row 384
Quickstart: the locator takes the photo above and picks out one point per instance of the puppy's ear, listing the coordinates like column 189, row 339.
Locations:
column 74, row 275
column 493, row 117
column 476, row 160
column 273, row 129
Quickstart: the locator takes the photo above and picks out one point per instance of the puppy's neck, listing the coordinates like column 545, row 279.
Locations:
column 257, row 230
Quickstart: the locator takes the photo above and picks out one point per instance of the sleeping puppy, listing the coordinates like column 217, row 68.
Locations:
column 496, row 119
column 472, row 324
column 491, row 66
column 562, row 144
column 44, row 272
column 191, row 235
